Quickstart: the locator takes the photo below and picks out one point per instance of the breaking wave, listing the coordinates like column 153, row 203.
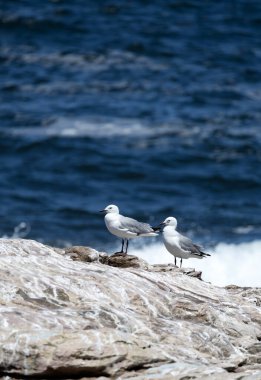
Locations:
column 237, row 264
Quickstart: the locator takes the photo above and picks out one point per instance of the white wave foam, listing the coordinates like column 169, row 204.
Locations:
column 237, row 264
column 91, row 62
column 106, row 128
column 20, row 231
column 83, row 128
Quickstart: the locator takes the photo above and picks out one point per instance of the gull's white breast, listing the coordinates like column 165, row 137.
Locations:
column 171, row 241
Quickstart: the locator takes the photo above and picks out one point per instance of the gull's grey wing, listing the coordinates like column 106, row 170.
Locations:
column 187, row 245
column 134, row 226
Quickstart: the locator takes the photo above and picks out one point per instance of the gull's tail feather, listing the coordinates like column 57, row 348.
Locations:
column 204, row 254
column 199, row 255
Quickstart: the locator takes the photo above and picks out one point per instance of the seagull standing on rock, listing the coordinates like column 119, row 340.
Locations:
column 177, row 244
column 124, row 227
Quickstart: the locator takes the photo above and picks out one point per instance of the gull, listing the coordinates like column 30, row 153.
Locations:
column 124, row 227
column 177, row 244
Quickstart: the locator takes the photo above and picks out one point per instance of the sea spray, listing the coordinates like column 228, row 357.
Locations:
column 237, row 264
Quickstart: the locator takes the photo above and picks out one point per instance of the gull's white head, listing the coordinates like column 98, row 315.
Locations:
column 170, row 221
column 111, row 209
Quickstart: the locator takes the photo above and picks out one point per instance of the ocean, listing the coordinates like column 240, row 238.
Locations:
column 151, row 105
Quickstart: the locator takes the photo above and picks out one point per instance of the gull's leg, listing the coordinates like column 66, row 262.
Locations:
column 127, row 244
column 122, row 246
column 180, row 263
column 175, row 260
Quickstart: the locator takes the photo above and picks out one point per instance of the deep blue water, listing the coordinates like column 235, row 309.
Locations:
column 152, row 105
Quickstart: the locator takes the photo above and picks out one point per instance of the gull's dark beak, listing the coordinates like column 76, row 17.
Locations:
column 159, row 227
column 103, row 211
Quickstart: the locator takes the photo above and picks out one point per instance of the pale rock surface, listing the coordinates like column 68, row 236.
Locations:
column 81, row 318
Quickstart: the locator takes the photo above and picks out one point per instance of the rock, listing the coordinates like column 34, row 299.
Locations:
column 252, row 294
column 79, row 253
column 171, row 267
column 125, row 261
column 69, row 319
column 191, row 272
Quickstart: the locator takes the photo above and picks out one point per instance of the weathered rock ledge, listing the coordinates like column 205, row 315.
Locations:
column 78, row 313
